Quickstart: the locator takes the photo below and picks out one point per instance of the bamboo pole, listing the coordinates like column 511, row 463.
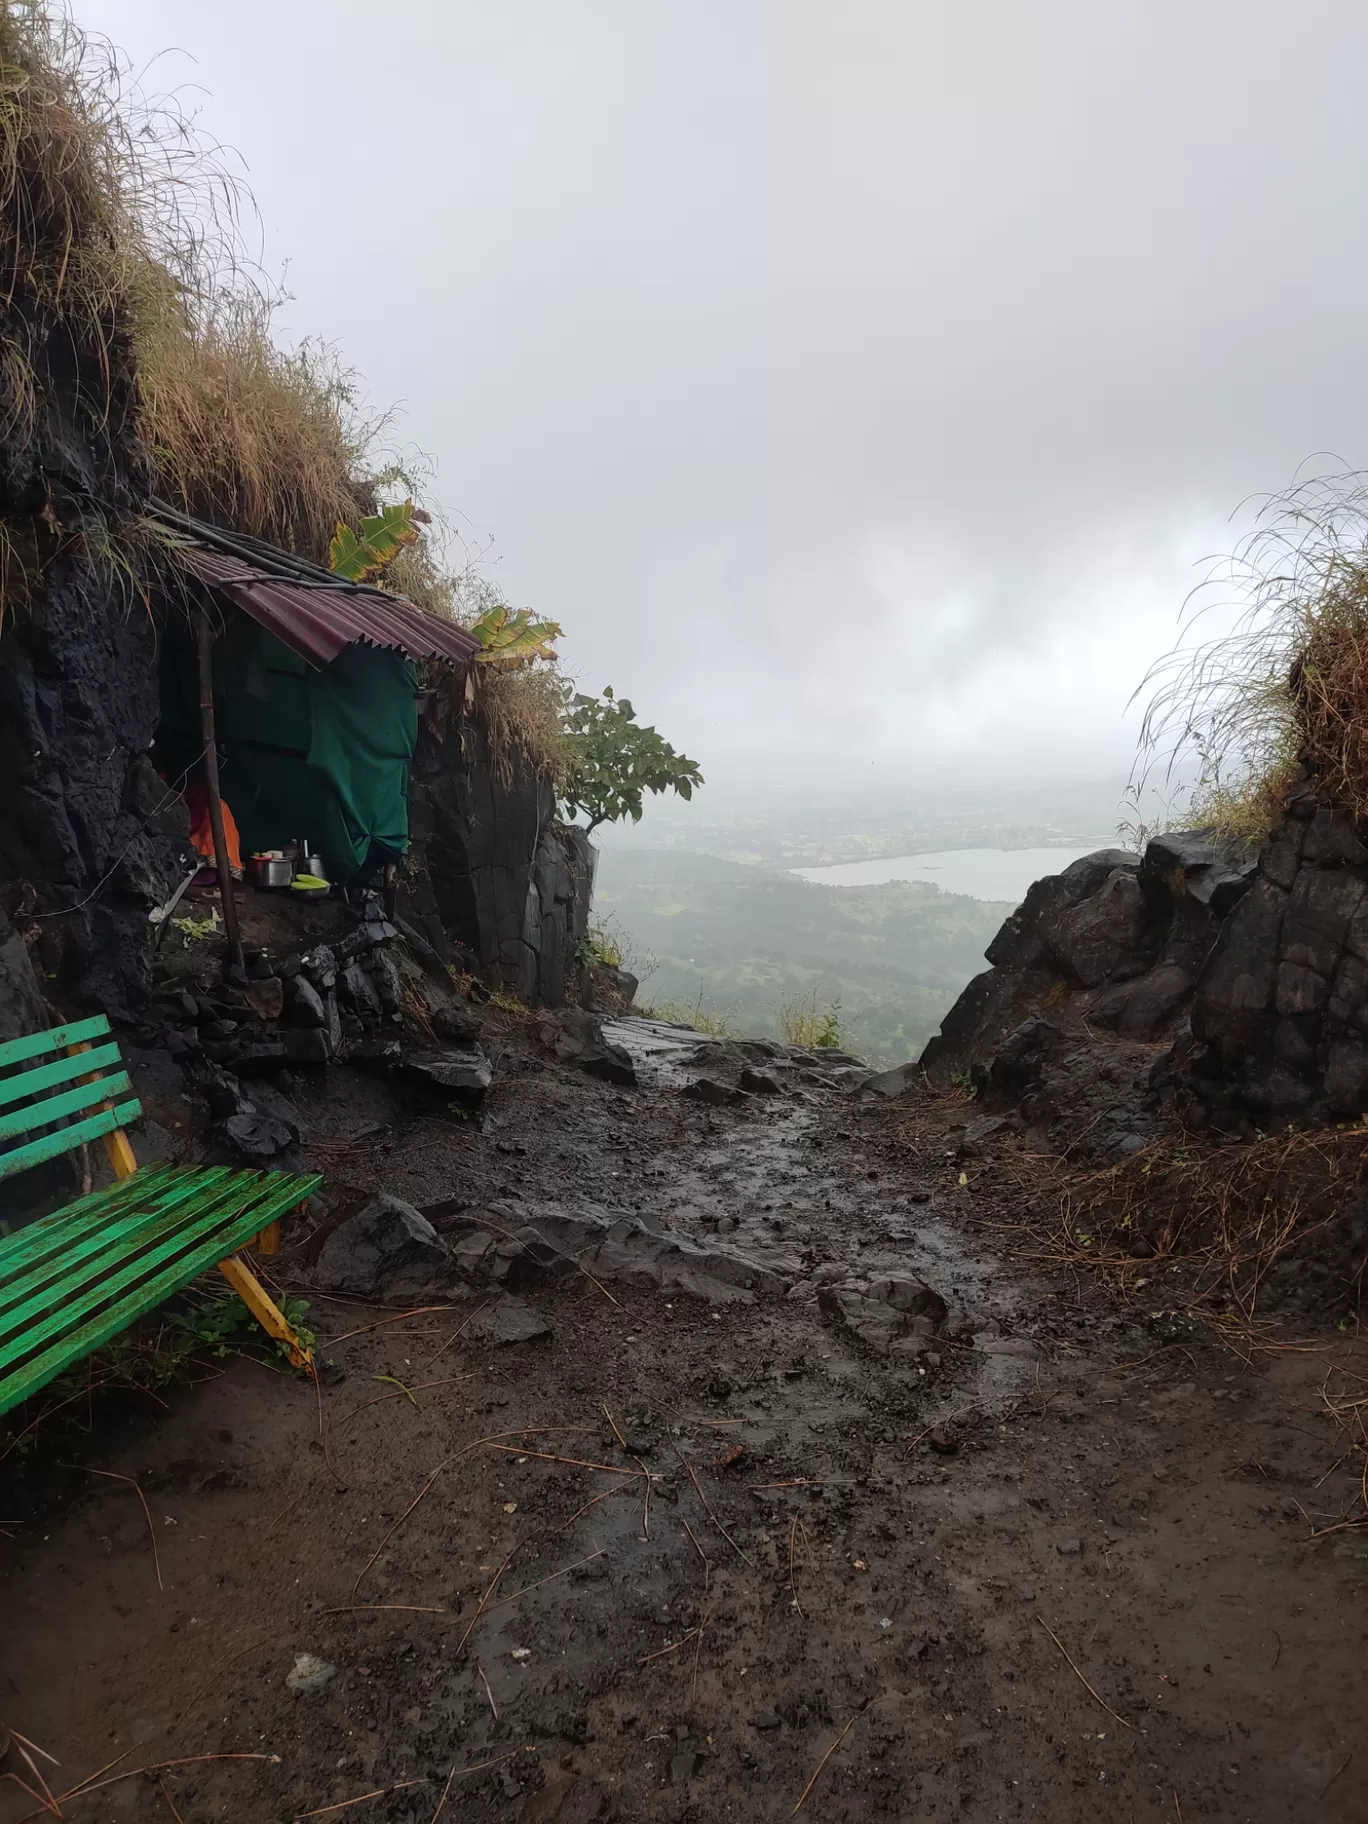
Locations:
column 205, row 643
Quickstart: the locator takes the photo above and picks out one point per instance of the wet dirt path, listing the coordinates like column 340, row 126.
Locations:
column 656, row 1565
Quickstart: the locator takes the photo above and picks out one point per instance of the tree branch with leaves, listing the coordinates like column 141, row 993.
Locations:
column 615, row 761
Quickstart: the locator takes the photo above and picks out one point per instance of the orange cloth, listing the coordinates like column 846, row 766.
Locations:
column 202, row 831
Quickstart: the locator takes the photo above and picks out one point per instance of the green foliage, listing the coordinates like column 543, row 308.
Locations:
column 804, row 1023
column 599, row 946
column 509, row 636
column 614, row 761
column 159, row 1354
column 359, row 556
column 695, row 1015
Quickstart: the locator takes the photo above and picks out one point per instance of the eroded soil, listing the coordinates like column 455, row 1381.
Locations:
column 653, row 1566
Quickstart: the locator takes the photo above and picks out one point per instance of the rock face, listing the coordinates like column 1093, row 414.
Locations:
column 493, row 874
column 1255, row 968
column 1280, row 1014
column 1116, row 937
column 85, row 823
column 576, row 1037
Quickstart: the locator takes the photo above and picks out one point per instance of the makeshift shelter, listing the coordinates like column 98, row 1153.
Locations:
column 315, row 695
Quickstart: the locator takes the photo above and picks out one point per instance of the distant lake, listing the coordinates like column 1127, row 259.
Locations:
column 979, row 873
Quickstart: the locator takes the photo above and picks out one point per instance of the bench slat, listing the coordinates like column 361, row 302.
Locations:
column 78, row 1258
column 102, row 1327
column 48, row 1233
column 43, row 1114
column 68, row 1139
column 34, row 1044
column 46, row 1076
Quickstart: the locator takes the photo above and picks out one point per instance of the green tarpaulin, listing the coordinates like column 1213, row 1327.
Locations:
column 321, row 755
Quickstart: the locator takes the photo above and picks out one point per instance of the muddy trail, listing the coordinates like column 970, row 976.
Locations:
column 664, row 1557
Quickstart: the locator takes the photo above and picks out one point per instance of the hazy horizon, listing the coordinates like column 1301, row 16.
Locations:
column 859, row 387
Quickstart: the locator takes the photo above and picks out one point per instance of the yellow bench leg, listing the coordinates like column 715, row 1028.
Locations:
column 264, row 1308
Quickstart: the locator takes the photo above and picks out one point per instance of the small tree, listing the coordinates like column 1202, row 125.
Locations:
column 614, row 761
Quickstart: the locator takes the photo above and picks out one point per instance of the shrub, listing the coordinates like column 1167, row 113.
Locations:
column 1286, row 690
column 804, row 1023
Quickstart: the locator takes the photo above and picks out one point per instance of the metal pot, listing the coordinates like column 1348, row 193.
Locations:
column 266, row 871
column 312, row 864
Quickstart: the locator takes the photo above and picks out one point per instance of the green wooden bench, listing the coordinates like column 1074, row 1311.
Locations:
column 72, row 1281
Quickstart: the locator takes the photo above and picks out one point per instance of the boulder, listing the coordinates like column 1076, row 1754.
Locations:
column 266, row 997
column 303, row 1004
column 387, row 1249
column 713, row 1092
column 463, row 1074
column 576, row 1037
column 899, row 1315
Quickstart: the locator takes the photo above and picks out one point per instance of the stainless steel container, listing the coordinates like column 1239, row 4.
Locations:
column 267, row 871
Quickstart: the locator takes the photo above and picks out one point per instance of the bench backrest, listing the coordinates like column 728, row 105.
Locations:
column 65, row 1086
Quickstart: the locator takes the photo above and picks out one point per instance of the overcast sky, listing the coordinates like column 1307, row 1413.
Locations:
column 857, row 383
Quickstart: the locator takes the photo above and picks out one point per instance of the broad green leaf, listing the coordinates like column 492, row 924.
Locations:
column 359, row 555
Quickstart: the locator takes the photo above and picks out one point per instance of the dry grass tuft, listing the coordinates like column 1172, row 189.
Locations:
column 1218, row 1217
column 245, row 434
column 1287, row 687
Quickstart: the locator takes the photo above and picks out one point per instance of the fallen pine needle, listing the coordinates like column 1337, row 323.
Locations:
column 579, row 1512
column 536, row 1431
column 114, row 1476
column 673, row 1647
column 708, row 1510
column 461, row 1772
column 546, row 1456
column 494, row 1708
column 186, row 1760
column 484, row 1600
column 383, row 1608
column 381, row 1792
column 817, row 1770
column 505, row 1600
column 397, row 1318
column 170, row 1802
column 1083, row 1681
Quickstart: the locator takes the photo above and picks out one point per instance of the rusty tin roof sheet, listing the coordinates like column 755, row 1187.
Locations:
column 317, row 621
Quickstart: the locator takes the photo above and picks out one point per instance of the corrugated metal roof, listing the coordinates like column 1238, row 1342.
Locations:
column 317, row 621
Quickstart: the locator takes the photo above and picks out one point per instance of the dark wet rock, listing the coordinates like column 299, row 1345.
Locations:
column 356, row 989
column 307, row 1045
column 713, row 1092
column 385, row 975
column 896, row 1082
column 520, row 1248
column 507, row 1320
column 464, row 1074
column 1119, row 939
column 457, row 1025
column 760, row 1083
column 898, row 1314
column 266, row 997
column 21, row 999
column 491, row 872
column 1095, row 937
column 983, row 1128
column 303, row 1004
column 320, row 965
column 386, row 1249
column 257, row 1124
column 576, row 1037
column 612, row 989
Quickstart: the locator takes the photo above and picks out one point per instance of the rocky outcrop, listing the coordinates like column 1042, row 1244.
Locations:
column 1255, row 968
column 1117, row 938
column 89, row 839
column 1280, row 1013
column 494, row 880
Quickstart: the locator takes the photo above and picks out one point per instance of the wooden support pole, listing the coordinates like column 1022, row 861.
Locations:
column 205, row 641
